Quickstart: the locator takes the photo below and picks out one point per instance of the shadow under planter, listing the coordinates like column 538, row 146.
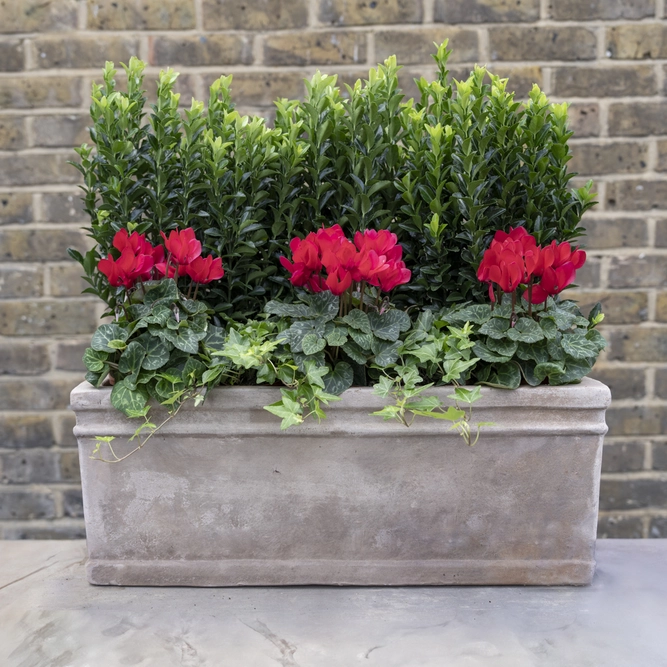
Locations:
column 221, row 497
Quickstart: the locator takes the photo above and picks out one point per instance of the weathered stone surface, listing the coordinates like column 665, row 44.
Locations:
column 36, row 170
column 415, row 47
column 617, row 233
column 11, row 55
column 141, row 14
column 632, row 494
column 624, row 456
column 579, row 10
column 255, row 14
column 34, row 393
column 643, row 271
column 20, row 282
column 591, row 159
column 56, row 131
column 486, row 11
column 19, row 358
column 624, row 307
column 429, row 528
column 201, row 50
column 40, row 91
column 615, row 81
column 638, row 344
column 63, row 207
column 636, row 194
column 43, row 318
column 33, row 245
column 553, row 43
column 37, row 15
column 637, row 119
column 37, row 466
column 584, row 119
column 363, row 12
column 51, row 52
column 66, row 280
column 639, row 41
column 319, row 48
column 15, row 208
column 21, row 430
column 623, row 382
column 26, row 504
column 619, row 526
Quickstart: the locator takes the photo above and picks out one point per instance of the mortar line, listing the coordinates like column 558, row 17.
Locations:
column 428, row 17
column 82, row 15
column 659, row 9
column 199, row 15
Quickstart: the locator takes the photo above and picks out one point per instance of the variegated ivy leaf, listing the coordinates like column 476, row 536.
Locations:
column 506, row 375
column 496, row 327
column 578, row 346
column 478, row 313
column 389, row 324
column 323, row 305
column 485, row 354
column 157, row 352
column 386, row 353
column 106, row 334
column 296, row 333
column 358, row 320
column 563, row 319
column 287, row 309
column 551, row 369
column 355, row 352
column 364, row 340
column 311, row 344
column 504, row 347
column 127, row 400
column 537, row 352
column 164, row 291
column 339, row 379
column 549, row 328
column 130, row 363
column 94, row 360
column 337, row 337
column 528, row 372
column 526, row 331
column 575, row 370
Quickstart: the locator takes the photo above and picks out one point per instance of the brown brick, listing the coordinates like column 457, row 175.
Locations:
column 63, row 529
column 64, row 435
column 141, row 14
column 580, row 10
column 626, row 494
column 20, row 282
column 26, row 504
column 15, row 208
column 640, row 41
column 201, row 50
column 44, row 318
column 620, row 526
column 659, row 452
column 636, row 195
column 40, row 91
column 32, row 245
column 35, row 394
column 316, row 48
column 262, row 88
column 415, row 47
column 604, row 81
column 76, row 51
column 559, row 43
column 658, row 527
column 35, row 466
column 588, row 276
column 19, row 358
column 591, row 159
column 584, row 119
column 37, row 15
column 618, row 307
column 365, row 12
column 661, row 233
column 12, row 133
column 73, row 503
column 66, row 280
column 69, row 466
column 626, row 456
column 486, row 11
column 638, row 344
column 11, row 55
column 637, row 119
column 616, row 233
column 255, row 14
column 623, row 382
column 661, row 308
column 63, row 207
column 662, row 156
column 56, row 131
column 37, row 170
column 69, row 356
column 18, row 431
column 643, row 271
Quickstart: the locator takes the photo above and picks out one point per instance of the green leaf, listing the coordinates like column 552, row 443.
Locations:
column 578, row 346
column 311, row 344
column 507, row 376
column 127, row 400
column 562, row 318
column 452, row 414
column 287, row 309
column 299, row 329
column 215, row 337
column 315, row 373
column 105, row 334
column 337, row 337
column 528, row 372
column 323, row 305
column 94, row 361
column 388, row 325
column 476, row 313
column 468, row 396
column 187, row 340
column 355, row 352
column 548, row 369
column 526, row 331
column 364, row 340
column 165, row 291
column 503, row 347
column 496, row 327
column 157, row 353
column 339, row 379
column 537, row 352
column 549, row 328
column 386, row 353
column 575, row 370
column 357, row 319
column 485, row 354
column 130, row 363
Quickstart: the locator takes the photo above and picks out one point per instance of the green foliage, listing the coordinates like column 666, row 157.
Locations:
column 443, row 172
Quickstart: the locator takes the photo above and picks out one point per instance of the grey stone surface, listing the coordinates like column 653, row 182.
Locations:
column 50, row 616
column 354, row 500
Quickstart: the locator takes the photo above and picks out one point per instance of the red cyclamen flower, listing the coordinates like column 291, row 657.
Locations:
column 205, row 269
column 557, row 267
column 136, row 261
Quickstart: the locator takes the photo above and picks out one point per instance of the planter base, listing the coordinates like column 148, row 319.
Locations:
column 339, row 573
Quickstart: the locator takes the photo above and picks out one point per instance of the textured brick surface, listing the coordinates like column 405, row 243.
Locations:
column 607, row 56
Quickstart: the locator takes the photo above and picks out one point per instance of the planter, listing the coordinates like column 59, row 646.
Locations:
column 222, row 497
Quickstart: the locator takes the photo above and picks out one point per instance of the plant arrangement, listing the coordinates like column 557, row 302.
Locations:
column 364, row 240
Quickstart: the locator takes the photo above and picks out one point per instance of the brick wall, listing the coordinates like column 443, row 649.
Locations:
column 609, row 57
